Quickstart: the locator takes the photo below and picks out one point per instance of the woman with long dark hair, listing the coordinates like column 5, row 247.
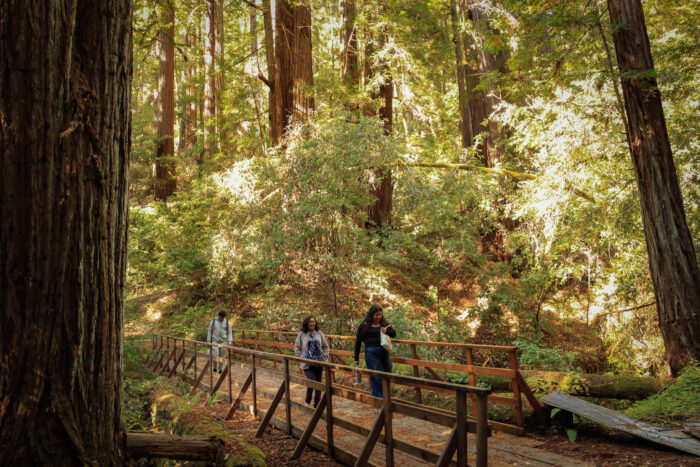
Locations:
column 311, row 344
column 376, row 356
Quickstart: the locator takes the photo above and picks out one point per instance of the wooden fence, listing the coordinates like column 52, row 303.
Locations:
column 176, row 356
column 283, row 340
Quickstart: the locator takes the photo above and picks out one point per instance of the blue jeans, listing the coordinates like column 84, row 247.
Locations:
column 314, row 373
column 377, row 358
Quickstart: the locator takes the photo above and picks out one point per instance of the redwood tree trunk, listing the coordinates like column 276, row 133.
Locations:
column 284, row 83
column 273, row 111
column 188, row 118
column 165, row 183
column 482, row 104
column 672, row 261
column 212, row 59
column 465, row 124
column 293, row 51
column 65, row 79
column 302, row 62
column 350, row 69
column 379, row 213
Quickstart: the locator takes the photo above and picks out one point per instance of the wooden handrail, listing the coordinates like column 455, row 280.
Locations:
column 457, row 345
column 457, row 442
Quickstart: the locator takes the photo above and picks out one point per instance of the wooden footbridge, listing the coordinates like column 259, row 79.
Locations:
column 359, row 429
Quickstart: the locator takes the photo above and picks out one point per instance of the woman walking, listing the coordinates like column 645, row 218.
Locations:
column 376, row 356
column 311, row 344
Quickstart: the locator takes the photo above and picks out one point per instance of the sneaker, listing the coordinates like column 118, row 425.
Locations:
column 308, row 404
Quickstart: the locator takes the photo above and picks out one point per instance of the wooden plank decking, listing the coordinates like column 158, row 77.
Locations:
column 673, row 438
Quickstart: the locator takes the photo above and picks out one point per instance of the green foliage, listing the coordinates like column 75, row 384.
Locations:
column 535, row 357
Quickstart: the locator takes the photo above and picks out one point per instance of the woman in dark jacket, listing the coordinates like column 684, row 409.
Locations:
column 376, row 356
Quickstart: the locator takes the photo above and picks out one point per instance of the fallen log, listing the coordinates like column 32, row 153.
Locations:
column 592, row 385
column 165, row 446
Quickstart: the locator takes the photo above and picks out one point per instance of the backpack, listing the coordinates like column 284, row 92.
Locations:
column 211, row 325
column 314, row 351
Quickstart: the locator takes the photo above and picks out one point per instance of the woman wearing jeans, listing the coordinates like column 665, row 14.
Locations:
column 376, row 356
column 311, row 344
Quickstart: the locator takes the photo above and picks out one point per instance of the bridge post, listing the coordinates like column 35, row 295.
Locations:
column 288, row 399
column 414, row 354
column 255, row 386
column 516, row 390
column 482, row 431
column 329, row 410
column 388, row 435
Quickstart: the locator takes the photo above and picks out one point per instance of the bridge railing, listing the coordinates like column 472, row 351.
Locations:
column 283, row 340
column 176, row 356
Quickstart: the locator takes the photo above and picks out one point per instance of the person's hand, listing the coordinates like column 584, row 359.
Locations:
column 384, row 330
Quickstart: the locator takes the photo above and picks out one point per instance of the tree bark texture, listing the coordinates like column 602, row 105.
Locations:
column 273, row 111
column 672, row 261
column 165, row 182
column 350, row 68
column 65, row 79
column 188, row 118
column 214, row 76
column 465, row 124
column 293, row 51
column 302, row 62
column 164, row 446
column 483, row 103
column 379, row 212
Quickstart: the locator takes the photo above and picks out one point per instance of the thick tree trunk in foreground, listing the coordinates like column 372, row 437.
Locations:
column 284, row 83
column 65, row 78
column 165, row 183
column 672, row 261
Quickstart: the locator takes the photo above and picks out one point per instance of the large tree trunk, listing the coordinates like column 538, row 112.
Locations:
column 65, row 79
column 302, row 62
column 188, row 118
column 271, row 80
column 465, row 123
column 379, row 212
column 165, row 183
column 672, row 261
column 214, row 76
column 482, row 104
column 350, row 68
column 294, row 72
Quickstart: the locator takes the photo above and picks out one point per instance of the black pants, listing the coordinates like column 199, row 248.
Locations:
column 314, row 373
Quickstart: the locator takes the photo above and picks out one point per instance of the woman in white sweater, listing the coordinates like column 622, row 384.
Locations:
column 311, row 344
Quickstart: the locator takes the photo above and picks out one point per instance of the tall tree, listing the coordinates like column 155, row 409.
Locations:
column 294, row 70
column 482, row 103
column 188, row 110
column 271, row 80
column 379, row 212
column 459, row 37
column 65, row 78
column 350, row 68
column 213, row 57
column 672, row 261
column 165, row 183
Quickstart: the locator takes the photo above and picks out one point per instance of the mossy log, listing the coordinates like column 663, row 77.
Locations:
column 165, row 446
column 592, row 385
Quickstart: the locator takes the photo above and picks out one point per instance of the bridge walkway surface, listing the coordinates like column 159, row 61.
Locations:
column 414, row 439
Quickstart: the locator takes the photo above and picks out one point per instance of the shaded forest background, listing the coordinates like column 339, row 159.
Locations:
column 464, row 164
